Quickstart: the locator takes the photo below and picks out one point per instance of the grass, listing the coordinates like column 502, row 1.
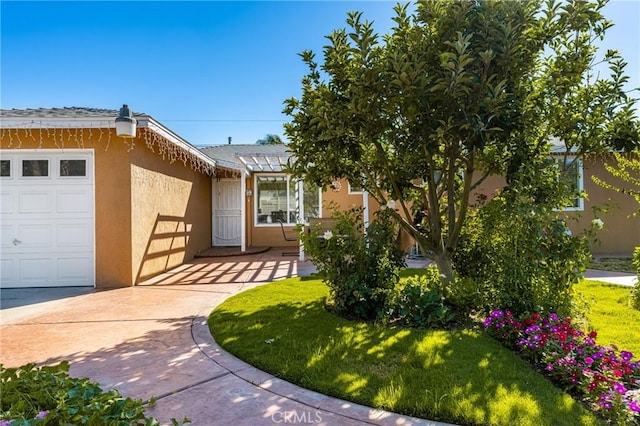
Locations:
column 462, row 377
column 614, row 264
column 611, row 316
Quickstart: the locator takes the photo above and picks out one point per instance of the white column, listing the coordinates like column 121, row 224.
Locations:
column 243, row 212
column 365, row 213
column 300, row 213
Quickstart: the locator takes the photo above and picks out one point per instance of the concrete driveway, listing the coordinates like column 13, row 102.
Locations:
column 152, row 340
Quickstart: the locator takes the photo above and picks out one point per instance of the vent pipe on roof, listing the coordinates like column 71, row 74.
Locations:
column 229, row 140
column 125, row 123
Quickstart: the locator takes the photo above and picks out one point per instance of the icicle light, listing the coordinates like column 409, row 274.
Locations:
column 75, row 135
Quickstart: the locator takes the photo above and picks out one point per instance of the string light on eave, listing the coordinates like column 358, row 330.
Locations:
column 96, row 133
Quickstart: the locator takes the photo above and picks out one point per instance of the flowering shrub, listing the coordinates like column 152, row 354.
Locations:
column 359, row 268
column 607, row 379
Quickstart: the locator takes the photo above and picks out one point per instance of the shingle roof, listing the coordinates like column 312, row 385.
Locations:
column 65, row 112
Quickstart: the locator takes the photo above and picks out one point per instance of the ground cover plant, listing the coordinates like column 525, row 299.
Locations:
column 460, row 376
column 47, row 395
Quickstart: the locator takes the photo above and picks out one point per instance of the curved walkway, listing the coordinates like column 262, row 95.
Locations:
column 152, row 340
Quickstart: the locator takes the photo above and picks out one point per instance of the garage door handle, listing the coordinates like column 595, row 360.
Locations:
column 16, row 241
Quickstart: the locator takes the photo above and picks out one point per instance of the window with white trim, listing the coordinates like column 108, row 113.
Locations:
column 573, row 175
column 276, row 199
column 5, row 168
column 35, row 168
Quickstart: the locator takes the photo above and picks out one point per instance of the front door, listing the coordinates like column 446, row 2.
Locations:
column 227, row 217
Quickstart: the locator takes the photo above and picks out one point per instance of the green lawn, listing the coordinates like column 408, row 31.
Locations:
column 611, row 316
column 462, row 377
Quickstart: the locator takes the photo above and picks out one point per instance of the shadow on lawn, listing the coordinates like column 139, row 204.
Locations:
column 462, row 377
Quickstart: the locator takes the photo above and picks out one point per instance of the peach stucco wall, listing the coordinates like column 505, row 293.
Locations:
column 170, row 215
column 133, row 188
column 621, row 233
column 619, row 236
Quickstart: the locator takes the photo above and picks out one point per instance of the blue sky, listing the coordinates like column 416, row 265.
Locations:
column 206, row 69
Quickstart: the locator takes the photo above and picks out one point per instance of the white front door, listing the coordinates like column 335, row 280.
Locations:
column 46, row 218
column 227, row 217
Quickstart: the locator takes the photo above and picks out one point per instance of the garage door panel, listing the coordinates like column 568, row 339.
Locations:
column 7, row 206
column 47, row 224
column 32, row 201
column 36, row 270
column 8, row 270
column 75, row 270
column 32, row 236
column 73, row 201
column 73, row 235
column 7, row 233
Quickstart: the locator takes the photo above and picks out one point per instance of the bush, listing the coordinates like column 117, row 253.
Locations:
column 418, row 302
column 47, row 395
column 357, row 267
column 634, row 299
column 520, row 256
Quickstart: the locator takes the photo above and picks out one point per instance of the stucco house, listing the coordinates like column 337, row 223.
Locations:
column 270, row 197
column 81, row 206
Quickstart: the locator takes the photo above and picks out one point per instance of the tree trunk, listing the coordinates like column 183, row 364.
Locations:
column 445, row 266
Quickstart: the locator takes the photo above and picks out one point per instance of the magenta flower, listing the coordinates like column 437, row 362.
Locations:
column 602, row 374
column 42, row 414
column 626, row 356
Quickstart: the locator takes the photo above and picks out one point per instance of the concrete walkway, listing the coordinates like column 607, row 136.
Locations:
column 618, row 278
column 152, row 340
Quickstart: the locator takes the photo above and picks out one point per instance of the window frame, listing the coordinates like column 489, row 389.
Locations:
column 570, row 160
column 11, row 173
column 72, row 158
column 290, row 209
column 50, row 165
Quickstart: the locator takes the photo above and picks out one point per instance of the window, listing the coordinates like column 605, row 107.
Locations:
column 35, row 168
column 572, row 176
column 355, row 188
column 5, row 168
column 276, row 200
column 70, row 168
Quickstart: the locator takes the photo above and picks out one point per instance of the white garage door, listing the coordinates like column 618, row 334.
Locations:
column 47, row 218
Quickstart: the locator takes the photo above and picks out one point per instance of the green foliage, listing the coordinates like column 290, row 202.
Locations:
column 418, row 302
column 634, row 297
column 520, row 257
column 627, row 171
column 270, row 140
column 457, row 90
column 47, row 395
column 357, row 267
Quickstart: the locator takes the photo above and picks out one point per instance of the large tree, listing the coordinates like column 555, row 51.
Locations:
column 458, row 90
column 270, row 139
